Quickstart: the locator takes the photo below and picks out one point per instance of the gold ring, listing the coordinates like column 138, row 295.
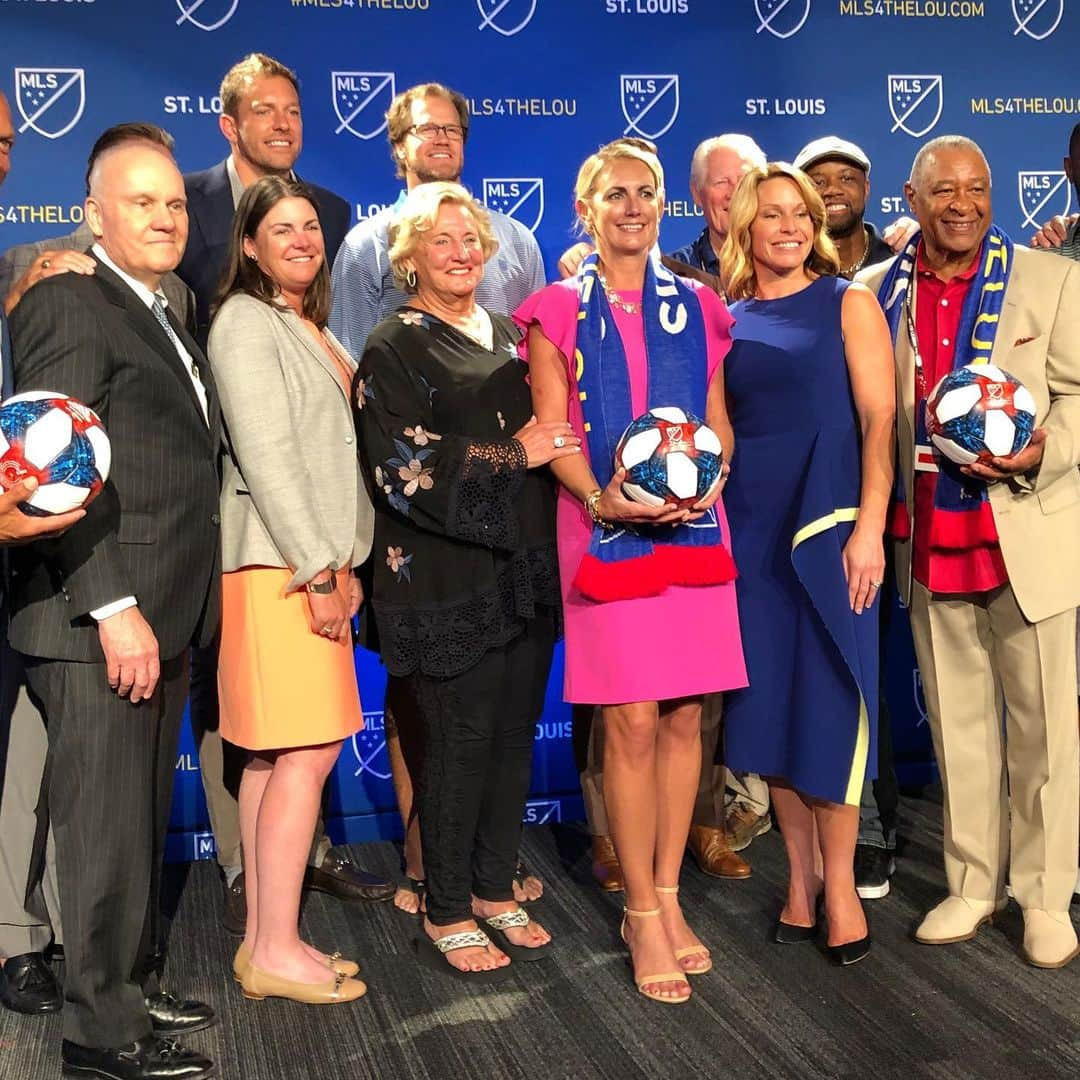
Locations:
column 876, row 584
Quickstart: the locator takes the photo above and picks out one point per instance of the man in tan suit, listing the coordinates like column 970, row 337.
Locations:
column 994, row 617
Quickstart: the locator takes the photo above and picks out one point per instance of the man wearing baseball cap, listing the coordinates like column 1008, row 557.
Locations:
column 841, row 172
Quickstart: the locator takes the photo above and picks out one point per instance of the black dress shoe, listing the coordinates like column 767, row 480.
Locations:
column 172, row 1016
column 150, row 1058
column 28, row 985
column 789, row 934
column 234, row 915
column 851, row 952
column 342, row 878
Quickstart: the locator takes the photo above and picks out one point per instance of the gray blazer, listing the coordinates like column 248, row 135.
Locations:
column 17, row 260
column 293, row 494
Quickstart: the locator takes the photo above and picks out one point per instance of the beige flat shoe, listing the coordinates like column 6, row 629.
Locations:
column 258, row 984
column 334, row 962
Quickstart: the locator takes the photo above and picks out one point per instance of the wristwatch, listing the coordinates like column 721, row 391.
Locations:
column 323, row 588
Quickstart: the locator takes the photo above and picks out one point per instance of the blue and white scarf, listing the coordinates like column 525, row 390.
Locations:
column 635, row 561
column 955, row 493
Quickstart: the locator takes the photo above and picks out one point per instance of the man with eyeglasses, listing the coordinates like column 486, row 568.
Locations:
column 427, row 126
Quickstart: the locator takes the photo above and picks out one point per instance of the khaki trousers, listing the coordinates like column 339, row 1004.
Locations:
column 709, row 804
column 23, row 746
column 977, row 653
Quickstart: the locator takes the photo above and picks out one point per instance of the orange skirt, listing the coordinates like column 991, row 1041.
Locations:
column 279, row 684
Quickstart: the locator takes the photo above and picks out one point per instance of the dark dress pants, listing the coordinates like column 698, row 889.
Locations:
column 107, row 792
column 477, row 760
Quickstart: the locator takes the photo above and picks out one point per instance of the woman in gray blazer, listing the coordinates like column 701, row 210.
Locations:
column 295, row 520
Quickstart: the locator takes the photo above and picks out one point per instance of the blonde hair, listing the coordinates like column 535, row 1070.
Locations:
column 736, row 256
column 594, row 165
column 418, row 215
column 240, row 78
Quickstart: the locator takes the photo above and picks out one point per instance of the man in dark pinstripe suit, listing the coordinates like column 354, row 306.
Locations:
column 104, row 615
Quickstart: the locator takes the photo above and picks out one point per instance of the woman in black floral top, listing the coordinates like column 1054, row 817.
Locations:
column 466, row 593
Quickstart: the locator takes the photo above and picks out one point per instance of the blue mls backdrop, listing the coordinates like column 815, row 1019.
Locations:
column 548, row 81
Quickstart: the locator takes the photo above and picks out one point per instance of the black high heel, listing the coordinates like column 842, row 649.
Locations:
column 851, row 952
column 789, row 934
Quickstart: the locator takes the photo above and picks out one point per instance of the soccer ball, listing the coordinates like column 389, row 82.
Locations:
column 670, row 456
column 978, row 412
column 59, row 441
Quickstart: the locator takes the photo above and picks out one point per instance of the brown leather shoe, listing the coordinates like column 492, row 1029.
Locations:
column 712, row 852
column 605, row 865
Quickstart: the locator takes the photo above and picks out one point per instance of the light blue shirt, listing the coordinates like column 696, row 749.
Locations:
column 363, row 286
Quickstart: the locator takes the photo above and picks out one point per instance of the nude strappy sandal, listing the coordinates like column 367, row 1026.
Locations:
column 663, row 976
column 690, row 950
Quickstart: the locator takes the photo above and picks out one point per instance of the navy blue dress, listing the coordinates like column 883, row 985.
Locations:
column 809, row 714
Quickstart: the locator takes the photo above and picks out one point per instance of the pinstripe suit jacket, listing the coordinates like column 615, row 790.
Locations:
column 154, row 531
column 18, row 259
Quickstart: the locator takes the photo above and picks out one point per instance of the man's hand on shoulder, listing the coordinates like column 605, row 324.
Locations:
column 899, row 233
column 19, row 528
column 571, row 259
column 1054, row 232
column 47, row 264
column 131, row 654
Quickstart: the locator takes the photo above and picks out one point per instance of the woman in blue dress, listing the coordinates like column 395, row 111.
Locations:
column 811, row 404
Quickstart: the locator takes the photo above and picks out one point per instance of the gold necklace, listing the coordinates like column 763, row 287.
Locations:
column 855, row 267
column 615, row 300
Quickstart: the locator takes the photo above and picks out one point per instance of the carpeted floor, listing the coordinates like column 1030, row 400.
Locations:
column 972, row 1010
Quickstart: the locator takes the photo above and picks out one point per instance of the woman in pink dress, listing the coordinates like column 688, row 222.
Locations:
column 648, row 593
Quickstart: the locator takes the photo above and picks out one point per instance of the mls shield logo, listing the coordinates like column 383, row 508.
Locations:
column 521, row 199
column 782, row 18
column 361, row 99
column 51, row 100
column 212, row 14
column 915, row 102
column 369, row 748
column 650, row 104
column 1041, row 196
column 506, row 17
column 1037, row 18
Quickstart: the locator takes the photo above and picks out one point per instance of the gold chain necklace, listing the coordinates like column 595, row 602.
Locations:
column 850, row 271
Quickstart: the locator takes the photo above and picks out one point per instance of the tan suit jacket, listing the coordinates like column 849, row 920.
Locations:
column 1037, row 519
column 293, row 494
column 17, row 260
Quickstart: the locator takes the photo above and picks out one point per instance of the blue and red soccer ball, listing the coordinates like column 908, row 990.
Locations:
column 58, row 441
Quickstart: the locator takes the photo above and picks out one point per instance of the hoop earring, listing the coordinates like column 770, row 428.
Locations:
column 410, row 279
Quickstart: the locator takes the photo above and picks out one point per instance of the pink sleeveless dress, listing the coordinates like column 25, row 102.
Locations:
column 682, row 643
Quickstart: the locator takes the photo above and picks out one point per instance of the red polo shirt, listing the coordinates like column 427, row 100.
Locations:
column 970, row 560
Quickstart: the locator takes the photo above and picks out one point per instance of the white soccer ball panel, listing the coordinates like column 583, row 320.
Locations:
column 998, row 433
column 102, row 450
column 952, row 451
column 46, row 437
column 671, row 414
column 33, row 395
column 1022, row 399
column 58, row 498
column 640, row 495
column 707, row 439
column 957, row 403
column 5, row 446
column 640, row 447
column 989, row 371
column 682, row 476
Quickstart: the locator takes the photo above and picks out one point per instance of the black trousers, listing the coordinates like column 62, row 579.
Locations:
column 107, row 792
column 478, row 730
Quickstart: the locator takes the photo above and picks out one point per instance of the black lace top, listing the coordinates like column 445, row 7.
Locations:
column 464, row 534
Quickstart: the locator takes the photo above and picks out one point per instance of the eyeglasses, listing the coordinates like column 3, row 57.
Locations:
column 427, row 132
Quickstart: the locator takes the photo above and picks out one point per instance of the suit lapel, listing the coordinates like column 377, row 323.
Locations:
column 140, row 318
column 304, row 338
